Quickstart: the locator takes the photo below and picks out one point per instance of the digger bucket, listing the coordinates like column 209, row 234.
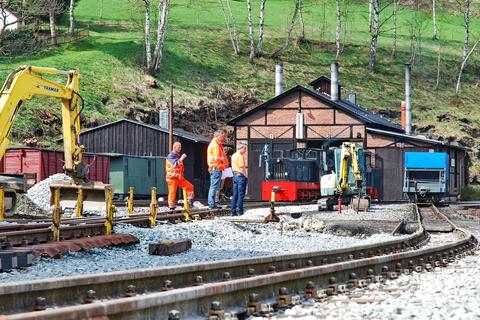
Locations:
column 93, row 194
column 360, row 204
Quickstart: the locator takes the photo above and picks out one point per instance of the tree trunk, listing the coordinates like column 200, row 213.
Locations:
column 101, row 9
column 250, row 31
column 235, row 32
column 464, row 63
column 230, row 31
column 53, row 25
column 370, row 9
column 71, row 30
column 279, row 52
column 163, row 7
column 24, row 6
column 339, row 30
column 261, row 28
column 373, row 42
column 148, row 43
column 302, row 23
column 439, row 58
column 434, row 16
column 2, row 30
column 394, row 47
column 466, row 15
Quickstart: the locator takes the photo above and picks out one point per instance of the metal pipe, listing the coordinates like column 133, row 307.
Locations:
column 278, row 79
column 408, row 98
column 110, row 211
column 56, row 215
column 130, row 201
column 186, row 205
column 334, row 94
column 80, row 203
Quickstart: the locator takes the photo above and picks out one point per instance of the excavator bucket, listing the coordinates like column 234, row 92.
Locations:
column 93, row 195
column 360, row 204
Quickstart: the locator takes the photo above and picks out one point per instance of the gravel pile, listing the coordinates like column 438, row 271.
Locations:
column 216, row 239
column 392, row 212
column 26, row 207
column 40, row 193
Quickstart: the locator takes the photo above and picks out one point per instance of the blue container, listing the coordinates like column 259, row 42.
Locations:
column 426, row 160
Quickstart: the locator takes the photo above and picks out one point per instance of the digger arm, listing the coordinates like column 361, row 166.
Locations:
column 26, row 82
column 349, row 152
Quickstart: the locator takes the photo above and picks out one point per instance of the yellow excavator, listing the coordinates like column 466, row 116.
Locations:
column 22, row 85
column 338, row 187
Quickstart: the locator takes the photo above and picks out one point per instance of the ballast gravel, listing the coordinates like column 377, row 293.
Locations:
column 215, row 239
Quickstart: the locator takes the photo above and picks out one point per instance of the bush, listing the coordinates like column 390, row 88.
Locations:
column 470, row 193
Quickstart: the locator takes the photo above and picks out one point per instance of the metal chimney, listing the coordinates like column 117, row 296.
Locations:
column 408, row 98
column 334, row 94
column 352, row 97
column 164, row 118
column 278, row 79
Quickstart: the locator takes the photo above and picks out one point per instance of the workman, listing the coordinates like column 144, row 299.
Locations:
column 239, row 180
column 174, row 176
column 217, row 162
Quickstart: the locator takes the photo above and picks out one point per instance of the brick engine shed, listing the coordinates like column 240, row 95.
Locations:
column 328, row 121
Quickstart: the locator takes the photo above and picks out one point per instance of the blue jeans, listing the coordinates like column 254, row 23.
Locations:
column 215, row 181
column 239, row 188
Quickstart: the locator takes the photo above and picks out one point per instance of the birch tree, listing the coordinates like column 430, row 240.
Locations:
column 394, row 45
column 462, row 67
column 434, row 17
column 466, row 16
column 302, row 22
column 378, row 7
column 6, row 19
column 374, row 37
column 370, row 12
column 231, row 25
column 280, row 51
column 259, row 50
column 163, row 8
column 250, row 31
column 339, row 30
column 101, row 9
column 148, row 38
column 71, row 10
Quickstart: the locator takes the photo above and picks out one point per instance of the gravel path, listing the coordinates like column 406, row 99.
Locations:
column 216, row 239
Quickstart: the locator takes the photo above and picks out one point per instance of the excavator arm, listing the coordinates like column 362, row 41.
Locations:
column 27, row 82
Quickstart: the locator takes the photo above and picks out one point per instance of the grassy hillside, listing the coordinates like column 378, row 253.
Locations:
column 212, row 84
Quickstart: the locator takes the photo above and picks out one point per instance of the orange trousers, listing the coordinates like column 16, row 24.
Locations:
column 173, row 185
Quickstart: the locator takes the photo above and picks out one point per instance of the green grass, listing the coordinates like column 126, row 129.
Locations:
column 199, row 61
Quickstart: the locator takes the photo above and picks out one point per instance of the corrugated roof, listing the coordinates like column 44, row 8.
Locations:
column 416, row 138
column 176, row 132
column 364, row 115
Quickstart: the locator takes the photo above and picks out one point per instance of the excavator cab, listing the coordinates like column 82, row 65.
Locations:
column 27, row 82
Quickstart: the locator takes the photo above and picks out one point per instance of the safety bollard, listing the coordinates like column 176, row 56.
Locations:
column 56, row 214
column 110, row 211
column 2, row 204
column 186, row 206
column 272, row 217
column 130, row 201
column 80, row 203
column 153, row 208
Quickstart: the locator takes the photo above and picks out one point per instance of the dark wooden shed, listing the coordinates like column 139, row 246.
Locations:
column 133, row 138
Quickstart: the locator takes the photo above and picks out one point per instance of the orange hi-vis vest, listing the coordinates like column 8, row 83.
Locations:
column 174, row 170
column 216, row 157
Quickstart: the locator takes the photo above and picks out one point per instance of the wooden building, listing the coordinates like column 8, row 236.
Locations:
column 131, row 138
column 331, row 122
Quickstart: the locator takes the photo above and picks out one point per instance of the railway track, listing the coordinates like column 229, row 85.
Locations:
column 153, row 293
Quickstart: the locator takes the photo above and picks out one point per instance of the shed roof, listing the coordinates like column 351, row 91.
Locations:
column 417, row 138
column 176, row 132
column 368, row 117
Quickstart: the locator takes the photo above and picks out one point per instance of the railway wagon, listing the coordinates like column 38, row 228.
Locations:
column 426, row 176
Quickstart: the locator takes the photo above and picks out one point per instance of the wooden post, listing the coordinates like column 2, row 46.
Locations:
column 110, row 211
column 2, row 204
column 130, row 201
column 170, row 114
column 80, row 203
column 186, row 205
column 56, row 215
column 153, row 208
